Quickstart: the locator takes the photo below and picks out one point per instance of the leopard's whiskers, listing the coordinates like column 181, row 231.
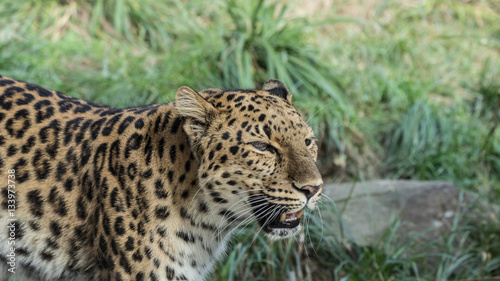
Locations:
column 270, row 218
column 249, row 219
column 239, row 212
column 261, row 201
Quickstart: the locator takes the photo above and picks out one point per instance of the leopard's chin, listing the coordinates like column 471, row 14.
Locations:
column 281, row 233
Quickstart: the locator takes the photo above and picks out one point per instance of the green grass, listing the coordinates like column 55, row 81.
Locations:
column 393, row 89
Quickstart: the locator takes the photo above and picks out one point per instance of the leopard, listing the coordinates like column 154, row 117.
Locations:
column 93, row 192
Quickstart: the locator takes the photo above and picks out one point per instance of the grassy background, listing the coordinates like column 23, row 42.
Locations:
column 393, row 89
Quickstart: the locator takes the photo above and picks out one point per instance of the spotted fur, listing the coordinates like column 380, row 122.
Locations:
column 148, row 193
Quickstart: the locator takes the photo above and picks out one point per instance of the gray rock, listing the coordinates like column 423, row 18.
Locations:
column 369, row 208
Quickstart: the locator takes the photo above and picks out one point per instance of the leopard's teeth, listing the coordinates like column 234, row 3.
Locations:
column 300, row 213
column 283, row 217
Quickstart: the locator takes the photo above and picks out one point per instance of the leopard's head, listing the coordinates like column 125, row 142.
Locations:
column 257, row 155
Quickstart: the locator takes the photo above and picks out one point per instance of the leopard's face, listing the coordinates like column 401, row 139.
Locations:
column 257, row 155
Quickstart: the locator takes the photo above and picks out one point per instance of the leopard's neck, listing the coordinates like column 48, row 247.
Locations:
column 191, row 223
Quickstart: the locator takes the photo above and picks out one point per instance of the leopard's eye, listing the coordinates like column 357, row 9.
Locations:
column 262, row 146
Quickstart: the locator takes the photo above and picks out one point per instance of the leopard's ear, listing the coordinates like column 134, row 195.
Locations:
column 197, row 112
column 277, row 88
column 190, row 104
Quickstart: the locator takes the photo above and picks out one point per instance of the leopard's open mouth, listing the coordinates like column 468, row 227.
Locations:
column 284, row 220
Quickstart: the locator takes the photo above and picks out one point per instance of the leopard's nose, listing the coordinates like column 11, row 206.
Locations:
column 309, row 190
